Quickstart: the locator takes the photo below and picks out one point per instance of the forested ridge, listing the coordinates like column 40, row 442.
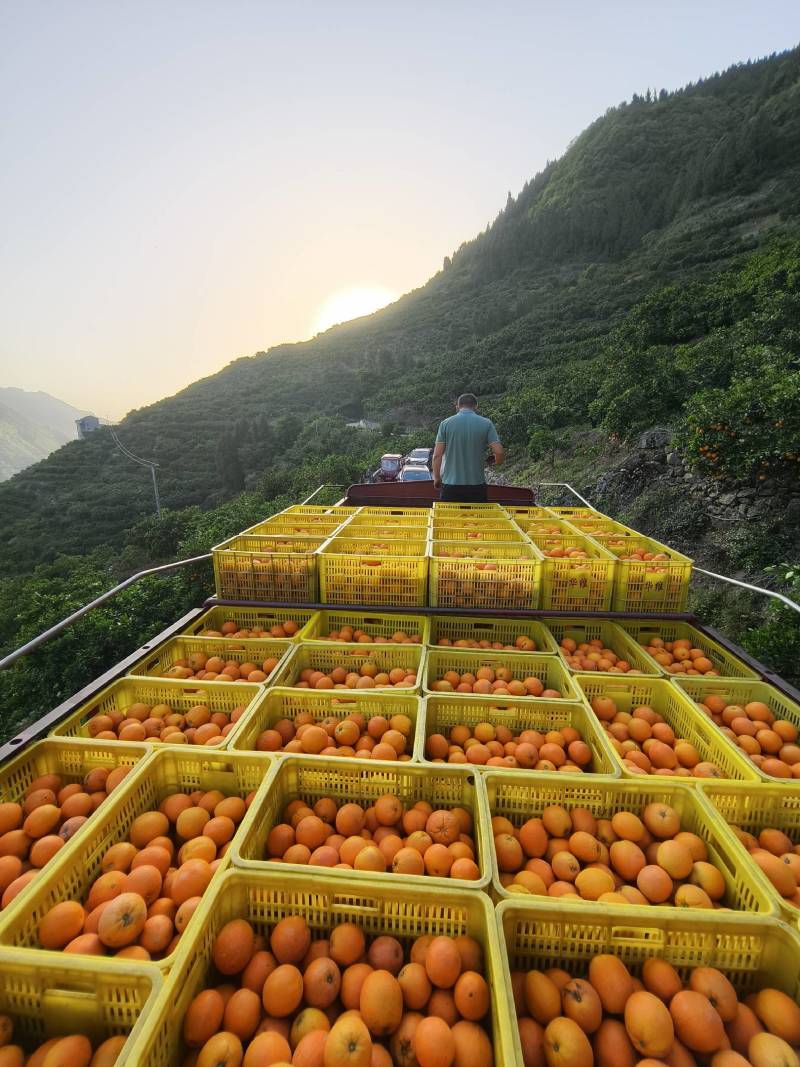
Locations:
column 650, row 275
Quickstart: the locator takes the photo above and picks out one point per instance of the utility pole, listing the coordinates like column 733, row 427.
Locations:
column 142, row 463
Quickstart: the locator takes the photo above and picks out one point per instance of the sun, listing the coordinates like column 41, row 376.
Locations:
column 352, row 304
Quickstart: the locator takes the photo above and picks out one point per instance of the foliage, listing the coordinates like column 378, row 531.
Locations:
column 750, row 427
column 776, row 640
column 772, row 635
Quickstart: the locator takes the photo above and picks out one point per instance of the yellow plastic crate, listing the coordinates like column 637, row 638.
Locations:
column 551, row 527
column 649, row 585
column 501, row 631
column 219, row 696
column 470, row 520
column 506, row 575
column 584, row 630
column 571, row 513
column 348, row 780
column 529, row 514
column 339, row 511
column 752, row 952
column 575, row 584
column 355, row 571
column 72, row 759
column 247, row 618
column 375, row 518
column 327, row 656
column 372, row 623
column 267, row 568
column 377, row 534
column 725, row 663
column 489, row 507
column 300, row 526
column 601, row 528
column 518, row 797
column 325, row 703
column 466, row 532
column 446, row 710
column 72, row 872
column 740, row 691
column 679, row 713
column 375, row 906
column 52, row 995
column 548, row 669
column 420, row 515
column 766, row 807
column 156, row 664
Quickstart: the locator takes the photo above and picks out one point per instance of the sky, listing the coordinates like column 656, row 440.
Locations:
column 183, row 182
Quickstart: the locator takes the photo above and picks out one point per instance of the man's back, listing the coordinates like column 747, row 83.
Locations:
column 466, row 437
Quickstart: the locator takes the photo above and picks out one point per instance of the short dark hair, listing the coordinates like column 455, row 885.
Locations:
column 467, row 400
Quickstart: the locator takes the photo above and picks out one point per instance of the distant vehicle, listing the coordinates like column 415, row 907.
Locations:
column 417, row 456
column 415, row 472
column 391, row 465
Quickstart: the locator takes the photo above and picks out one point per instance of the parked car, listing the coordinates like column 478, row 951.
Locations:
column 415, row 472
column 420, row 456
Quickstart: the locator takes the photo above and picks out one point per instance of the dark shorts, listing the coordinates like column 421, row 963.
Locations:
column 464, row 494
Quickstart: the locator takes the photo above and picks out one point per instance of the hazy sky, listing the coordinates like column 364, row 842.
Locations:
column 183, row 183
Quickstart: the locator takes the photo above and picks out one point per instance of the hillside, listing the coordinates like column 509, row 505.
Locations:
column 32, row 425
column 649, row 276
column 655, row 191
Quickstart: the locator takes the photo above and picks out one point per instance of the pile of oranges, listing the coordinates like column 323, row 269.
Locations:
column 770, row 742
column 594, row 656
column 216, row 669
column 454, row 550
column 612, row 1019
column 680, row 657
column 349, row 634
column 230, row 628
column 498, row 746
column 627, row 859
column 778, row 857
column 340, row 1001
column 366, row 676
column 493, row 681
column 71, row 1050
column 522, row 643
column 646, row 744
column 639, row 555
column 385, row 836
column 38, row 826
column 354, row 735
column 160, row 722
column 565, row 552
column 151, row 883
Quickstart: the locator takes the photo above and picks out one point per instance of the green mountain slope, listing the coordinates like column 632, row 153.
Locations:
column 656, row 191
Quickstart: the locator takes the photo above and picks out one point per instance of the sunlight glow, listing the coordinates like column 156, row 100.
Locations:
column 352, row 304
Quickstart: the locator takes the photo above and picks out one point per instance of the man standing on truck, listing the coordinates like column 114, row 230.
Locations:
column 462, row 442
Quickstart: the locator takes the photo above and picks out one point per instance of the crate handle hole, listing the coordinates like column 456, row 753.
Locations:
column 639, row 934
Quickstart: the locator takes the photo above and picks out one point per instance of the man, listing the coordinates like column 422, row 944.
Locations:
column 461, row 442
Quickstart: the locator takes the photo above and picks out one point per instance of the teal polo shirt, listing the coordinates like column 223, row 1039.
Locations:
column 466, row 437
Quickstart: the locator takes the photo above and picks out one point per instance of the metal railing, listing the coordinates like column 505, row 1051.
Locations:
column 41, row 638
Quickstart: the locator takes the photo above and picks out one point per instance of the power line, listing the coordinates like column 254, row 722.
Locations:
column 142, row 463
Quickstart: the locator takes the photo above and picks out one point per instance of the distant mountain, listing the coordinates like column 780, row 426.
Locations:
column 32, row 425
